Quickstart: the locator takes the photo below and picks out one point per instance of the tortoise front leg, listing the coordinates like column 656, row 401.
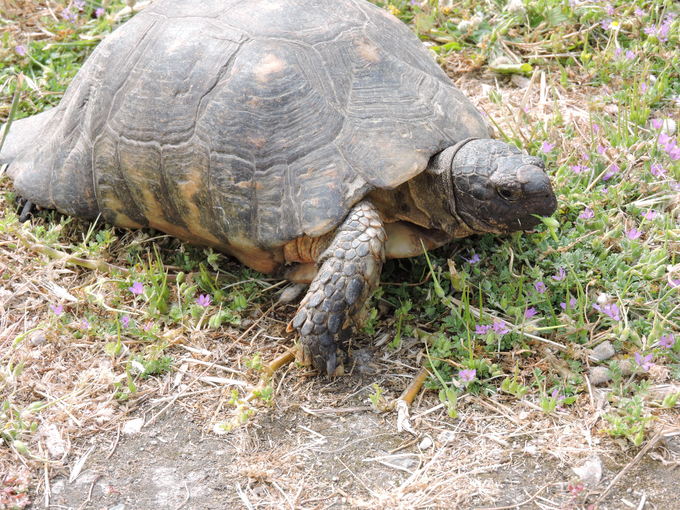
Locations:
column 349, row 273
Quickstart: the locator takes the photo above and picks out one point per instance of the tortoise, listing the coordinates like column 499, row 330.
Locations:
column 308, row 139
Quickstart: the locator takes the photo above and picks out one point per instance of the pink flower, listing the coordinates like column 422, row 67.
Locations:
column 137, row 288
column 657, row 170
column 613, row 169
column 645, row 363
column 99, row 12
column 474, row 259
column 667, row 341
column 572, row 304
column 601, row 148
column 586, row 214
column 650, row 215
column 57, row 309
column 674, row 283
column 560, row 275
column 540, row 287
column 610, row 309
column 547, row 147
column 482, row 329
column 500, row 328
column 530, row 312
column 657, row 123
column 633, row 233
column 203, row 300
column 125, row 321
column 20, row 49
column 467, row 375
column 630, row 55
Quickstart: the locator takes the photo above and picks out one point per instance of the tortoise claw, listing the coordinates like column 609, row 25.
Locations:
column 27, row 208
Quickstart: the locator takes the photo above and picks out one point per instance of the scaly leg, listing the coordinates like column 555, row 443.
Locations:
column 349, row 272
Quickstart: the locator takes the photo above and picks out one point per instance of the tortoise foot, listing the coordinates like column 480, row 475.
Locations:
column 349, row 273
column 26, row 207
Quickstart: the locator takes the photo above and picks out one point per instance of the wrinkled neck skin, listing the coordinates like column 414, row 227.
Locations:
column 426, row 202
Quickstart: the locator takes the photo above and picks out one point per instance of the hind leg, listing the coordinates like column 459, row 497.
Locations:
column 26, row 207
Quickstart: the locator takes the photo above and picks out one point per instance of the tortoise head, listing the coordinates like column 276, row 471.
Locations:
column 497, row 188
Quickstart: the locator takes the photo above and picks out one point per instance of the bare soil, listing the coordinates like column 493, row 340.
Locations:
column 321, row 446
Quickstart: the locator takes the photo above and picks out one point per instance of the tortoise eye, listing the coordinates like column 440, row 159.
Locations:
column 508, row 194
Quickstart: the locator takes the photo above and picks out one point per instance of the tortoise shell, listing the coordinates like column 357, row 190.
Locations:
column 244, row 125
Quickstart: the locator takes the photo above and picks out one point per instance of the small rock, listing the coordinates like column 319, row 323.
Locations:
column 669, row 127
column 590, row 472
column 598, row 375
column 611, row 109
column 133, row 426
column 425, row 443
column 38, row 338
column 520, row 81
column 603, row 351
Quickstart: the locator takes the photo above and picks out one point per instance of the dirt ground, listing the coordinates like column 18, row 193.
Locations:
column 322, row 446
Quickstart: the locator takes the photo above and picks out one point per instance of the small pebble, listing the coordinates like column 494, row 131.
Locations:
column 603, row 351
column 38, row 338
column 598, row 375
column 669, row 127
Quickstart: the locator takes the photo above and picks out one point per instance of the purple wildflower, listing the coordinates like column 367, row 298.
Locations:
column 586, row 214
column 137, row 288
column 639, row 12
column 85, row 324
column 606, row 24
column 79, row 4
column 99, row 12
column 630, row 55
column 674, row 283
column 557, row 397
column 601, row 148
column 547, row 147
column 609, row 9
column 57, row 309
column 613, row 169
column 540, row 287
column 674, row 153
column 657, row 123
column 20, row 49
column 125, row 321
column 610, row 309
column 644, row 362
column 643, row 87
column 474, row 259
column 530, row 312
column 468, row 375
column 633, row 233
column 561, row 275
column 572, row 304
column 578, row 169
column 482, row 329
column 663, row 139
column 69, row 16
column 657, row 170
column 596, row 128
column 203, row 300
column 500, row 328
column 667, row 341
column 650, row 215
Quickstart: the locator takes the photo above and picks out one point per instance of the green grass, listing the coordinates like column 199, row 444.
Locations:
column 605, row 268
